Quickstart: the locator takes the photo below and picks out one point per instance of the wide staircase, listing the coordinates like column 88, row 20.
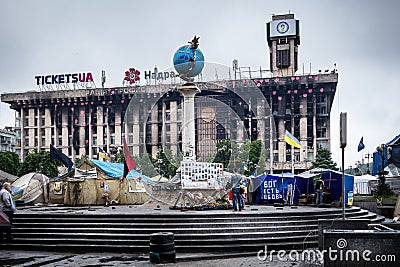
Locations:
column 201, row 231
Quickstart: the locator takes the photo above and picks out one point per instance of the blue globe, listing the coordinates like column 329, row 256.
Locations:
column 188, row 62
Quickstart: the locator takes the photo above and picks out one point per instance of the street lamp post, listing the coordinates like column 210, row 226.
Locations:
column 160, row 162
column 368, row 156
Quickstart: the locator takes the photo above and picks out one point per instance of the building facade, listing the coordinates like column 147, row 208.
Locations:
column 150, row 117
column 8, row 139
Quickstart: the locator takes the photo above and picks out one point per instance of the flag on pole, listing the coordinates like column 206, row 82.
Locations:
column 361, row 145
column 129, row 163
column 291, row 140
column 56, row 154
column 104, row 154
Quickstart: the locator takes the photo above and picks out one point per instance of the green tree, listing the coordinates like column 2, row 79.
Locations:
column 224, row 152
column 80, row 160
column 324, row 160
column 9, row 162
column 120, row 157
column 383, row 189
column 168, row 164
column 39, row 162
column 250, row 153
column 144, row 164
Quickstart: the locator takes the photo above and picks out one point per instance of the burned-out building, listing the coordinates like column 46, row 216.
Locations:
column 80, row 121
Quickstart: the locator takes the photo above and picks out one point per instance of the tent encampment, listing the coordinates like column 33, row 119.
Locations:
column 31, row 188
column 95, row 182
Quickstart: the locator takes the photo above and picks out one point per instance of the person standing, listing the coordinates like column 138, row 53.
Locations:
column 7, row 205
column 319, row 189
column 236, row 180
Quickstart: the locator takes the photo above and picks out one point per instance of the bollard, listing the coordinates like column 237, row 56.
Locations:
column 162, row 247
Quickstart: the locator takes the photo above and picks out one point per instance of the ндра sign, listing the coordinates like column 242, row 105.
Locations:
column 64, row 78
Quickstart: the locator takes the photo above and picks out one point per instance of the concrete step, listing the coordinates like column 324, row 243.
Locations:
column 178, row 236
column 149, row 229
column 127, row 226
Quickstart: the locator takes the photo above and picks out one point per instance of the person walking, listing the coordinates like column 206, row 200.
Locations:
column 7, row 205
column 236, row 180
column 319, row 189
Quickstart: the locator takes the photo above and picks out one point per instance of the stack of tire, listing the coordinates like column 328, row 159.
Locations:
column 162, row 247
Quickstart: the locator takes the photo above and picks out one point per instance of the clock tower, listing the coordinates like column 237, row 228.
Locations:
column 283, row 37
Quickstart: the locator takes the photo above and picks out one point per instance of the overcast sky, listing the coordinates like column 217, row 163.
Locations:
column 361, row 37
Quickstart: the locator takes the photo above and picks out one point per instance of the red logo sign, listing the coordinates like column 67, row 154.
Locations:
column 132, row 76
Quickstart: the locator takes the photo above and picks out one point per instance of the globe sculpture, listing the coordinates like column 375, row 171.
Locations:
column 189, row 60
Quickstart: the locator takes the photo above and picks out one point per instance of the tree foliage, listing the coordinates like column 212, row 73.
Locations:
column 233, row 156
column 169, row 163
column 383, row 189
column 324, row 160
column 224, row 152
column 9, row 162
column 39, row 162
column 150, row 166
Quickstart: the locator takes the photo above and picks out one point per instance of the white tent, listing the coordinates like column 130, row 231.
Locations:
column 31, row 188
column 362, row 185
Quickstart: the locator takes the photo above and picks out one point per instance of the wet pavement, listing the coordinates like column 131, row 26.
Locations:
column 50, row 259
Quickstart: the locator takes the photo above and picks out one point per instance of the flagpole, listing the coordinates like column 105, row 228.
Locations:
column 362, row 162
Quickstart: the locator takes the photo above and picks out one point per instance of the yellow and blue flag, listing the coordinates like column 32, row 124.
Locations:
column 291, row 140
column 104, row 154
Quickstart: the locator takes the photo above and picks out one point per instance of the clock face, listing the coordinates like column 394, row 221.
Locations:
column 282, row 27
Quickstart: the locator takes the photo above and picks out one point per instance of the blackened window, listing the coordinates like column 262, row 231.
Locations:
column 283, row 58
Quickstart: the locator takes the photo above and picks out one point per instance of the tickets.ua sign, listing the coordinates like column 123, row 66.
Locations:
column 64, row 78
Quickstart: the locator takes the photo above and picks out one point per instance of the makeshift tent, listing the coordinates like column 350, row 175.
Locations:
column 6, row 177
column 333, row 184
column 270, row 188
column 31, row 188
column 362, row 184
column 96, row 182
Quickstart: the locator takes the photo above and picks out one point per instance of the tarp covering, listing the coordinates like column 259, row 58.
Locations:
column 271, row 188
column 388, row 158
column 377, row 161
column 395, row 155
column 116, row 170
column 333, row 180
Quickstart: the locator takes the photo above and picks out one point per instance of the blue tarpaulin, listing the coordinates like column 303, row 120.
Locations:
column 116, row 170
column 377, row 156
column 334, row 180
column 270, row 188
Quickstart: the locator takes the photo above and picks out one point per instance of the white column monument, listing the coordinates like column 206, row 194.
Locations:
column 188, row 91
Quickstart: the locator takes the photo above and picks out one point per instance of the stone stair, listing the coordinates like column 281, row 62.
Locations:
column 201, row 231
